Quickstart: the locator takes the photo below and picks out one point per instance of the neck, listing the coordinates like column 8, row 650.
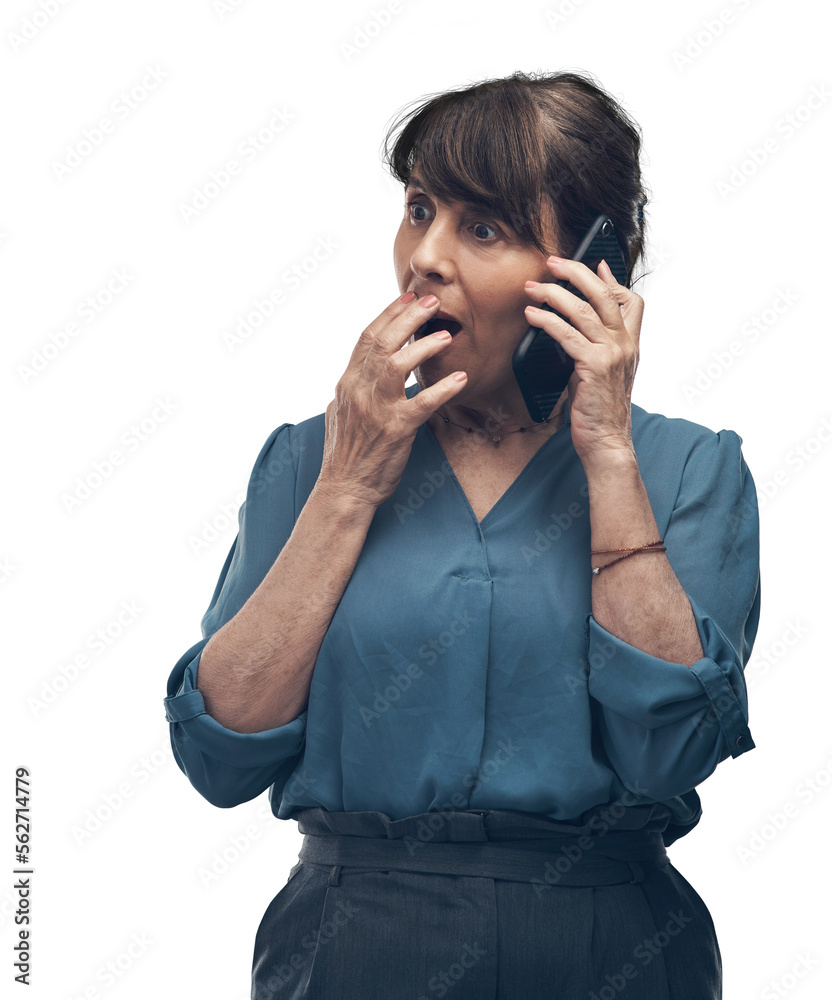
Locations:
column 497, row 424
column 499, row 419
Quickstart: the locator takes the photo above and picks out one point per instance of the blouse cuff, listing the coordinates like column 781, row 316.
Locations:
column 186, row 708
column 654, row 692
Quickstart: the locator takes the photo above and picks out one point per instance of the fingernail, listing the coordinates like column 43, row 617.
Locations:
column 532, row 284
column 556, row 260
column 407, row 297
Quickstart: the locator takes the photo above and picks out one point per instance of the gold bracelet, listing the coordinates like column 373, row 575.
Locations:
column 651, row 547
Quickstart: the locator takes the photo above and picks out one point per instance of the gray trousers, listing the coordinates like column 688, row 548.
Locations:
column 483, row 905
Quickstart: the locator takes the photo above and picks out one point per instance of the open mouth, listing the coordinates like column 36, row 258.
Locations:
column 435, row 325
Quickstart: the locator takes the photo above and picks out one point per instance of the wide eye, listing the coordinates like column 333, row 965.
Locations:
column 413, row 205
column 484, row 225
column 476, row 227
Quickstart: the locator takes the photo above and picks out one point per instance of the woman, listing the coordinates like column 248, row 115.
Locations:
column 483, row 661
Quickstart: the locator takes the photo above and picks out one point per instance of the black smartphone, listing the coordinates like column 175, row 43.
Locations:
column 541, row 366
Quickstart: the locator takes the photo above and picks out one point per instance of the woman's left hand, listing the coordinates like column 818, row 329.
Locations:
column 603, row 341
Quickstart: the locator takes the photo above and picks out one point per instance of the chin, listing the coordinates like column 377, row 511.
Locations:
column 428, row 374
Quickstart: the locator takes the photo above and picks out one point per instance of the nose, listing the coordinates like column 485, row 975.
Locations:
column 435, row 252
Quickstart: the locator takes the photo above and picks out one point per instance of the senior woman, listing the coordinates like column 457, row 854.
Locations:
column 484, row 662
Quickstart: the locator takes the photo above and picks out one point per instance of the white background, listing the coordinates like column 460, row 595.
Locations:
column 720, row 257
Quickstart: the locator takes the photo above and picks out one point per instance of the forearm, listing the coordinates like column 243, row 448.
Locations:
column 639, row 600
column 255, row 672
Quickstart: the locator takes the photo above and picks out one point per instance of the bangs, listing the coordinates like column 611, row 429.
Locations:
column 461, row 150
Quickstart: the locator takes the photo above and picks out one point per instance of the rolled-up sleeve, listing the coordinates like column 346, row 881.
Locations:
column 666, row 726
column 225, row 766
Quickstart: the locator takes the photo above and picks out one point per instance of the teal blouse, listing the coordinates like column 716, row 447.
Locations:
column 463, row 668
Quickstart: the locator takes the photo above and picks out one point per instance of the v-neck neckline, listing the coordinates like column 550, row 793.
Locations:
column 560, row 433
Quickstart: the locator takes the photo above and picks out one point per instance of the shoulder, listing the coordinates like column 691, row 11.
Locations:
column 677, row 443
column 292, row 453
column 292, row 441
column 655, row 430
column 680, row 457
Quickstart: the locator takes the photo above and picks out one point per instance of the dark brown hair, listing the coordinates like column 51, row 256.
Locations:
column 541, row 152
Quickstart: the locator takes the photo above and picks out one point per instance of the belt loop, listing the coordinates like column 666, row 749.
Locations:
column 334, row 876
column 638, row 872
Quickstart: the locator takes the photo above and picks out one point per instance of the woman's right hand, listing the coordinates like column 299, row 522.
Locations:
column 371, row 424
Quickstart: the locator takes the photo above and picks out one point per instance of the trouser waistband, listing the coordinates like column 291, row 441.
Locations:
column 556, row 859
column 563, row 866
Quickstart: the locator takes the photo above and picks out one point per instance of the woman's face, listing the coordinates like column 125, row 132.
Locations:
column 477, row 268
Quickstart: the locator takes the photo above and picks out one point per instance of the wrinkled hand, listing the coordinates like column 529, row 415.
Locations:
column 371, row 424
column 603, row 342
